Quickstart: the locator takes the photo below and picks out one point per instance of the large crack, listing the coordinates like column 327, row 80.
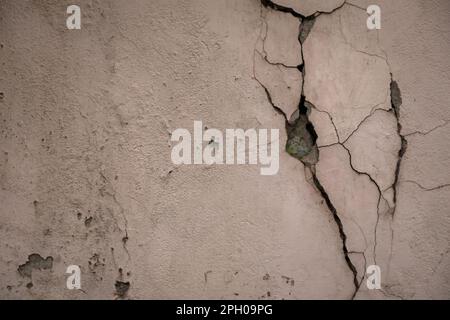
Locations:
column 308, row 153
column 302, row 137
column 342, row 234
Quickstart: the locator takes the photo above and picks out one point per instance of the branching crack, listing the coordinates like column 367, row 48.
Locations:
column 302, row 137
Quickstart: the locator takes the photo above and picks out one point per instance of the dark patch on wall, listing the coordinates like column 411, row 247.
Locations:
column 122, row 289
column 87, row 222
column 396, row 98
column 35, row 262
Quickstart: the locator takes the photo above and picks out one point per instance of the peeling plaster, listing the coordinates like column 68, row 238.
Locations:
column 35, row 261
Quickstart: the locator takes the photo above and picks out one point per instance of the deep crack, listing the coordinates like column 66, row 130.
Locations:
column 396, row 102
column 277, row 7
column 342, row 234
column 305, row 28
column 302, row 137
column 302, row 145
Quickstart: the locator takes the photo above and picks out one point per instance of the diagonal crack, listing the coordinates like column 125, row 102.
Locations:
column 342, row 234
column 396, row 102
column 307, row 141
column 278, row 7
column 302, row 137
column 443, row 186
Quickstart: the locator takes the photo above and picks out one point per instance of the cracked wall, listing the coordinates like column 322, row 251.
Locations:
column 85, row 171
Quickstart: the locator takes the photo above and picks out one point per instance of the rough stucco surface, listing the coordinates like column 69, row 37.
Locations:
column 86, row 176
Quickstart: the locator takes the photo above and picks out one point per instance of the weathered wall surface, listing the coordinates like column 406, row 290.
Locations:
column 86, row 175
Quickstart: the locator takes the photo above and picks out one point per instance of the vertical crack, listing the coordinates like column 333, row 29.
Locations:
column 302, row 137
column 396, row 102
column 302, row 145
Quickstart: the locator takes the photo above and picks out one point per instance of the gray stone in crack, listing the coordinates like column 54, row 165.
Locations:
column 301, row 142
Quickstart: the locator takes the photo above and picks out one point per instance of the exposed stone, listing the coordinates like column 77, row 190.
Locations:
column 301, row 143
